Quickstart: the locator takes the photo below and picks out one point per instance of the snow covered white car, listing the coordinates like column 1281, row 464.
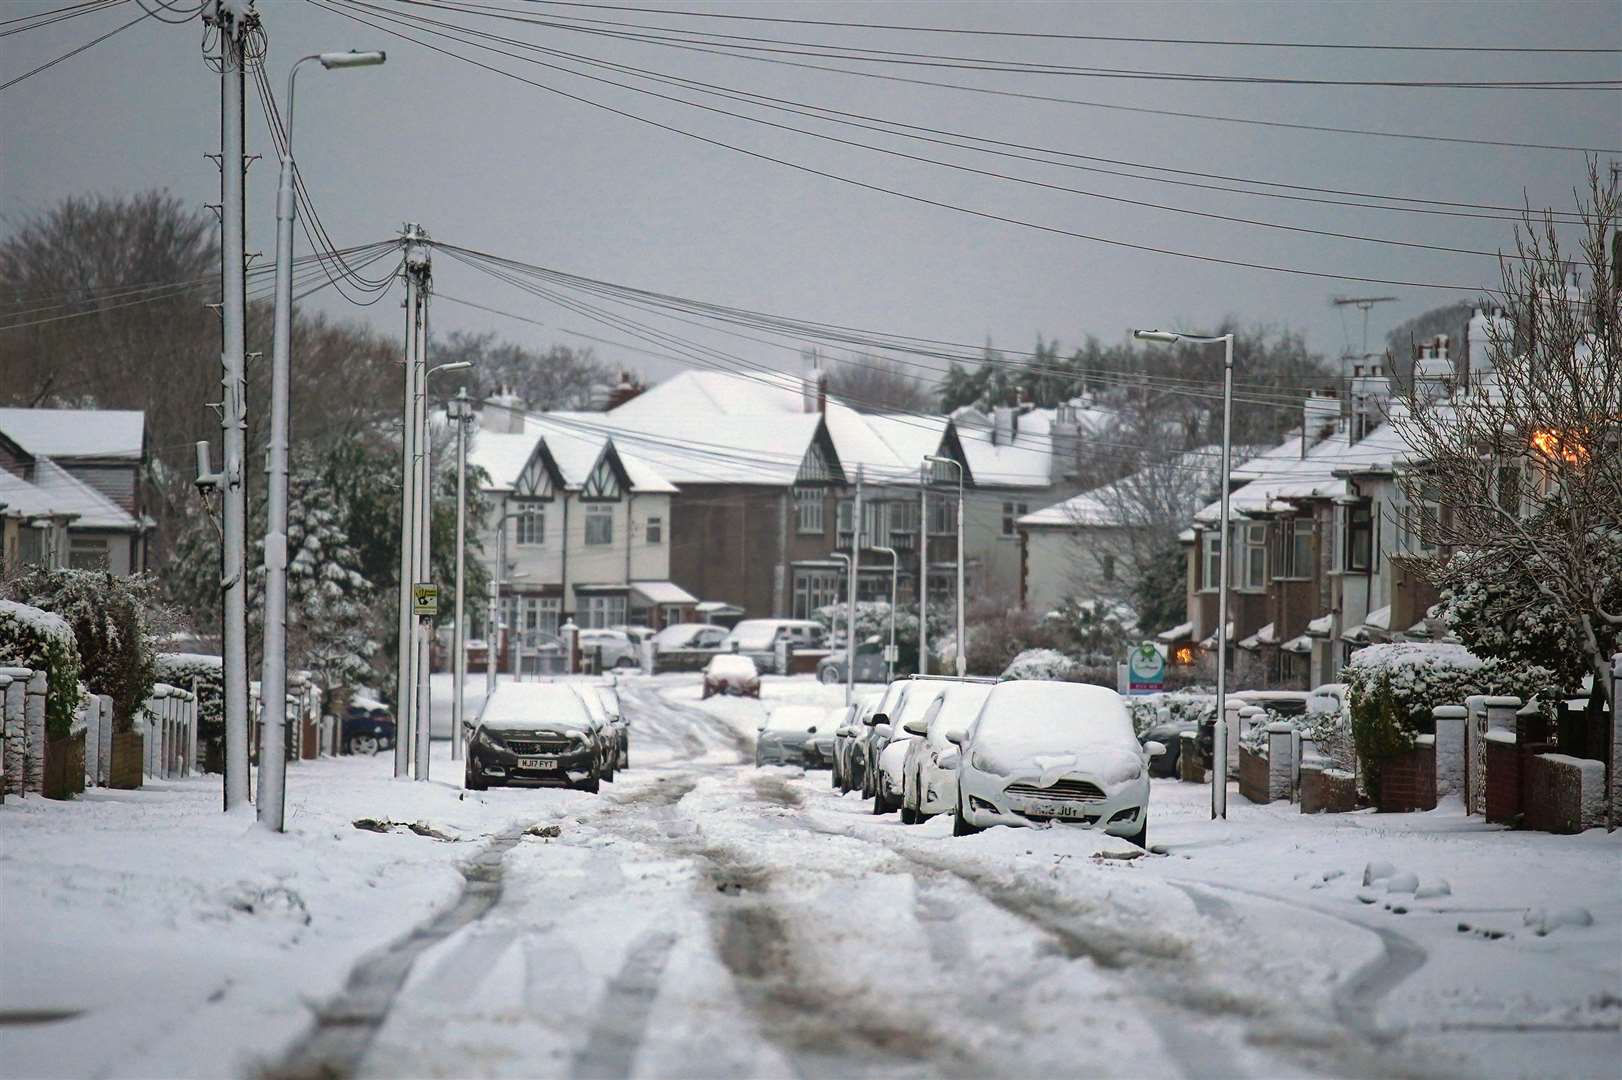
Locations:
column 731, row 674
column 1052, row 751
column 534, row 733
column 929, row 772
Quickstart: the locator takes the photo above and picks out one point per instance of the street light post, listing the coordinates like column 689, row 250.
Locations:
column 962, row 658
column 273, row 675
column 458, row 629
column 1219, row 741
column 895, row 574
column 923, row 568
column 850, row 611
column 424, row 712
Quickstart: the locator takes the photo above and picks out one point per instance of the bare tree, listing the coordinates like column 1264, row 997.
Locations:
column 876, row 384
column 1519, row 479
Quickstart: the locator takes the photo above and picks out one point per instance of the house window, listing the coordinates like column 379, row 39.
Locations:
column 1293, row 555
column 1211, row 549
column 942, row 517
column 1255, row 556
column 87, row 554
column 1109, row 567
column 1427, row 518
column 539, row 615
column 1359, row 537
column 599, row 524
column 904, row 525
column 531, row 524
column 873, row 515
column 656, row 530
column 808, row 504
column 1011, row 513
column 598, row 611
column 814, row 589
column 842, row 516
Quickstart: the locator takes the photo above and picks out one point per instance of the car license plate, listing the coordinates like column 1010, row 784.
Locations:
column 541, row 763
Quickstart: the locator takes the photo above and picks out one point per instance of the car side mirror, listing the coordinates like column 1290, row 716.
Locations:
column 957, row 736
column 876, row 719
column 812, row 730
column 1154, row 748
column 915, row 727
column 841, row 734
column 761, row 727
column 882, row 730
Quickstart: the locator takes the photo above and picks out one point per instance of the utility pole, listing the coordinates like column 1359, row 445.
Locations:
column 923, row 568
column 458, row 633
column 422, row 717
column 855, row 588
column 416, row 273
column 233, row 20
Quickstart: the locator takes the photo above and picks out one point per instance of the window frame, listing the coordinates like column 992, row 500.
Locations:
column 530, row 513
column 596, row 514
column 1210, row 560
column 1358, row 518
column 653, row 530
column 810, row 513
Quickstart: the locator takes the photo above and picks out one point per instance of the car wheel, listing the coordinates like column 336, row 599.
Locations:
column 608, row 777
column 759, row 761
column 828, row 676
column 625, row 662
column 1141, row 837
column 960, row 824
column 363, row 744
column 624, row 760
column 590, row 787
column 705, row 696
column 833, row 776
column 473, row 781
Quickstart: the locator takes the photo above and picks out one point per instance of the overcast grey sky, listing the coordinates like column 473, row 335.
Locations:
column 490, row 163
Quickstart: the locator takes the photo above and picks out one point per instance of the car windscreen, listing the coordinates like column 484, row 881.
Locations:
column 753, row 635
column 923, row 695
column 674, row 637
column 798, row 718
column 524, row 706
column 1024, row 720
column 963, row 701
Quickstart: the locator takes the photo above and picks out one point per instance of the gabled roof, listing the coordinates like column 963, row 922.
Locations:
column 77, row 433
column 55, row 492
column 568, row 452
column 19, row 498
column 1102, row 505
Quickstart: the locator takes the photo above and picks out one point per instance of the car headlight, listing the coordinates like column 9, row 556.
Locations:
column 484, row 738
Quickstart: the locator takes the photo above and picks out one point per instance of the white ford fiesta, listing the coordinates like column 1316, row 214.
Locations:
column 1041, row 751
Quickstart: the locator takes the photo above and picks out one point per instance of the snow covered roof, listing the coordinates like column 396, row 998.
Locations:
column 1102, row 505
column 1264, row 636
column 1300, row 645
column 77, row 433
column 574, row 448
column 1180, row 632
column 1209, row 642
column 663, row 592
column 1322, row 625
column 1376, row 626
column 55, row 492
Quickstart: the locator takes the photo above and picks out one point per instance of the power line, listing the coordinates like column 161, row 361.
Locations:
column 984, row 215
column 1051, row 36
column 821, row 50
column 71, row 53
column 40, row 19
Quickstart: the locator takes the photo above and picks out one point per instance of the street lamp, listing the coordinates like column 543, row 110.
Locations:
column 273, row 676
column 464, row 416
column 1219, row 747
column 895, row 570
column 423, row 712
column 850, row 624
column 936, row 459
column 497, row 580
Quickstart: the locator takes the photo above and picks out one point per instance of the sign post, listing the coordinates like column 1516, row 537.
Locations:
column 1145, row 670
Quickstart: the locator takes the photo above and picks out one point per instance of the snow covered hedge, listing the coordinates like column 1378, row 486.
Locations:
column 1041, row 664
column 108, row 617
column 208, row 673
column 1182, row 707
column 34, row 638
column 1393, row 688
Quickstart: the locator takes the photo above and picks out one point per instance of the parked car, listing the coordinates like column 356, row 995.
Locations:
column 870, row 665
column 824, row 742
column 1169, row 733
column 1283, row 702
column 929, row 772
column 847, row 770
column 731, row 674
column 788, row 735
column 610, row 698
column 613, row 649
column 602, row 728
column 758, row 638
column 875, row 731
column 892, row 754
column 637, row 634
column 534, row 733
column 688, row 646
column 367, row 729
column 1052, row 751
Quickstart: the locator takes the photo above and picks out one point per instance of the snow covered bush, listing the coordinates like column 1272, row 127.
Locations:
column 1041, row 664
column 109, row 618
column 1181, row 707
column 207, row 673
column 1393, row 688
column 33, row 638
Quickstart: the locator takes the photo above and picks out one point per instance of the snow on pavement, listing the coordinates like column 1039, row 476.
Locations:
column 704, row 917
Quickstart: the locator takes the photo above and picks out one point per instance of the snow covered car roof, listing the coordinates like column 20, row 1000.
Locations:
column 1032, row 718
column 528, row 705
column 732, row 666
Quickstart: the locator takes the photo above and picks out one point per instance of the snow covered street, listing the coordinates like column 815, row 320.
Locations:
column 703, row 917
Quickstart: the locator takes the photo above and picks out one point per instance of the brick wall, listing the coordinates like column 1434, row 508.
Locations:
column 1562, row 794
column 1408, row 781
column 1325, row 790
column 128, row 758
column 1253, row 776
column 1503, row 781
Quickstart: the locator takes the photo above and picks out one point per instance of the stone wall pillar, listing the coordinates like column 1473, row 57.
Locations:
column 1475, row 754
column 1450, row 743
column 34, row 732
column 11, row 709
column 104, row 756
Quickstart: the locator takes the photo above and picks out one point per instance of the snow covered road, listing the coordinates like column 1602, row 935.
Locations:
column 702, row 917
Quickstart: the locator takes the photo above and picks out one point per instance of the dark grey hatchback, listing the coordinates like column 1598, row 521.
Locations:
column 533, row 734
